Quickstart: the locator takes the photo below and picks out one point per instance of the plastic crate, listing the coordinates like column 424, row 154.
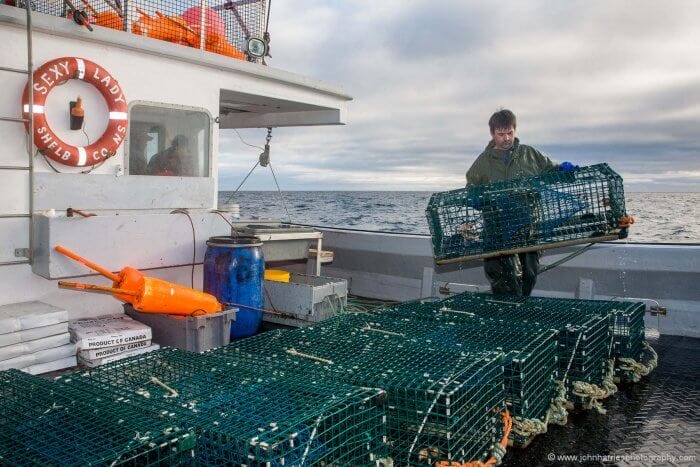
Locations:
column 192, row 333
column 305, row 299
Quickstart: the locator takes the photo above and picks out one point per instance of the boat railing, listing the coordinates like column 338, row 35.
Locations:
column 225, row 28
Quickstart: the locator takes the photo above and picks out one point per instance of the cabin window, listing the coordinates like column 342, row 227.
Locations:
column 169, row 141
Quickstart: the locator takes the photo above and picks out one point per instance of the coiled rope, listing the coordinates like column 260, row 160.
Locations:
column 595, row 393
column 556, row 414
column 637, row 369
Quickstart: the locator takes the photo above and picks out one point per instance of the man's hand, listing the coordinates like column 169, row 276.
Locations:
column 469, row 232
column 567, row 167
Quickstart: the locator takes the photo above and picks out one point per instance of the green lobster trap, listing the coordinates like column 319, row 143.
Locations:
column 440, row 405
column 626, row 321
column 530, row 355
column 43, row 423
column 244, row 415
column 584, row 340
column 514, row 216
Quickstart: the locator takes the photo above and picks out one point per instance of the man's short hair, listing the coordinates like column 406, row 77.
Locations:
column 180, row 140
column 504, row 118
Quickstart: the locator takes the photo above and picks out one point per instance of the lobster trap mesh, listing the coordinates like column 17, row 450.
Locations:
column 440, row 405
column 224, row 28
column 521, row 215
column 583, row 342
column 585, row 339
column 530, row 357
column 42, row 423
column 626, row 321
column 248, row 416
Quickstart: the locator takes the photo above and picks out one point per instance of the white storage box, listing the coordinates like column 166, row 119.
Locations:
column 51, row 366
column 29, row 347
column 306, row 299
column 39, row 357
column 29, row 315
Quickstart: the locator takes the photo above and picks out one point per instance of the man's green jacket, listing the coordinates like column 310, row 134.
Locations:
column 525, row 161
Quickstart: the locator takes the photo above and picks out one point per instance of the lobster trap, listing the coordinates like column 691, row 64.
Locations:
column 584, row 340
column 43, row 423
column 530, row 355
column 552, row 210
column 245, row 415
column 625, row 319
column 440, row 405
column 225, row 27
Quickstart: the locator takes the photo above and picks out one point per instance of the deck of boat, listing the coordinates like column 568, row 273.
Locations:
column 653, row 422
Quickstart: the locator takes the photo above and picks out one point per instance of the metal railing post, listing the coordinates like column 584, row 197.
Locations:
column 202, row 24
column 125, row 12
column 30, row 135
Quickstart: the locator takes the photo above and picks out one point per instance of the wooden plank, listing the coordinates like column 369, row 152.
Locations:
column 605, row 238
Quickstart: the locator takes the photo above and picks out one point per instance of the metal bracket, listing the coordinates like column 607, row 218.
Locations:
column 21, row 252
column 657, row 310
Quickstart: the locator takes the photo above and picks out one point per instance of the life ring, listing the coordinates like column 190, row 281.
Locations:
column 57, row 72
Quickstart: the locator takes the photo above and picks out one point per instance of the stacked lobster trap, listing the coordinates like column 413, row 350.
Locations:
column 244, row 415
column 440, row 406
column 530, row 355
column 42, row 423
column 555, row 209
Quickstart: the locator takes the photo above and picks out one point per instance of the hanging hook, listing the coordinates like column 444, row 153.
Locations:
column 264, row 158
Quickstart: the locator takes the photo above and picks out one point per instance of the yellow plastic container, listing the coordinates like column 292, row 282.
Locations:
column 277, row 275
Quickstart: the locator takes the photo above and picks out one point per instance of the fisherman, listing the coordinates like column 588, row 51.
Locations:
column 171, row 161
column 505, row 159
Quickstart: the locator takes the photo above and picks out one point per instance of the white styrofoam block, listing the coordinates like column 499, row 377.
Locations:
column 28, row 315
column 51, row 366
column 117, row 349
column 107, row 332
column 29, row 347
column 92, row 363
column 33, row 334
column 39, row 357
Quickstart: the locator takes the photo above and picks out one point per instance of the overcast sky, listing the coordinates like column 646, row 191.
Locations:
column 590, row 81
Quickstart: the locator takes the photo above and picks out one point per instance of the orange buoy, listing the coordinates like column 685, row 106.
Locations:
column 159, row 296
column 146, row 294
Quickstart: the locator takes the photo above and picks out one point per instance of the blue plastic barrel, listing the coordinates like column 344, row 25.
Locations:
column 234, row 268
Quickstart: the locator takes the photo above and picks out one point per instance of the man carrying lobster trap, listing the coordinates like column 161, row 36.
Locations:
column 508, row 218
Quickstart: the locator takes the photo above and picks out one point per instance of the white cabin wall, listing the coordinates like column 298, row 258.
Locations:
column 147, row 70
column 19, row 284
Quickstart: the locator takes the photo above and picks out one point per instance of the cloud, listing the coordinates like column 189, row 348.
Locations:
column 590, row 81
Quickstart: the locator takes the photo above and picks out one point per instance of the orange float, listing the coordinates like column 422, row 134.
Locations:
column 146, row 294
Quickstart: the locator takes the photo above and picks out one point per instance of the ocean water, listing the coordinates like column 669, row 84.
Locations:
column 659, row 217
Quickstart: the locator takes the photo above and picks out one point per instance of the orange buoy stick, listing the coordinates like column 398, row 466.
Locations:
column 95, row 267
column 95, row 288
column 146, row 294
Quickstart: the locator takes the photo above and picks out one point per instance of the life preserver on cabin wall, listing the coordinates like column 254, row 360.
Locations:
column 57, row 72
